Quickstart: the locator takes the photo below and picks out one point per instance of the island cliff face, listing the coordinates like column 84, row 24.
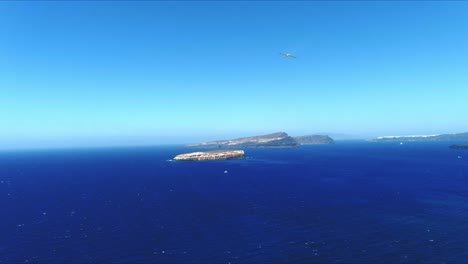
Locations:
column 211, row 155
column 441, row 137
column 314, row 139
column 275, row 140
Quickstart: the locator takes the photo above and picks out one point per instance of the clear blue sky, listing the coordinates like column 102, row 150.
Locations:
column 107, row 73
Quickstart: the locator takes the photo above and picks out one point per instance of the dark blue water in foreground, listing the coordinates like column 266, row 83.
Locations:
column 343, row 203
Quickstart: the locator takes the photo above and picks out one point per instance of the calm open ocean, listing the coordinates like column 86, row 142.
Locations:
column 352, row 202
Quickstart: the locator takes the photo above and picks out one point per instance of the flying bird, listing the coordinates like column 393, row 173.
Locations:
column 288, row 55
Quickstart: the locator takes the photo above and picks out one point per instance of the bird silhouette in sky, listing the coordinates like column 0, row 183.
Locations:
column 288, row 55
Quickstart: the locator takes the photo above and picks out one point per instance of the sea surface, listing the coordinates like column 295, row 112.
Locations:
column 351, row 202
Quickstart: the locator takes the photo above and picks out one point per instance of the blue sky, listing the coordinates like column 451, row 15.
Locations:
column 111, row 73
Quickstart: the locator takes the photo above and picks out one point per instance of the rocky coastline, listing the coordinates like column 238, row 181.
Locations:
column 211, row 155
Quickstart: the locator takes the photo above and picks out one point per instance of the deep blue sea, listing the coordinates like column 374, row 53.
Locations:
column 351, row 202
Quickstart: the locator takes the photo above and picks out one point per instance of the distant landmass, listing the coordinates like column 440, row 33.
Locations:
column 341, row 136
column 459, row 146
column 439, row 137
column 275, row 140
column 314, row 139
column 211, row 155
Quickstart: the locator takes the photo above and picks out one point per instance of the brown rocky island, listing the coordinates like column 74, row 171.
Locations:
column 212, row 155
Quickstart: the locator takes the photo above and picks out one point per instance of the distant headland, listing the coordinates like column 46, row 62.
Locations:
column 314, row 139
column 439, row 137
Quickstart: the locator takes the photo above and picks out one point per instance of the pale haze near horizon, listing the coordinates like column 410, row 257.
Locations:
column 144, row 73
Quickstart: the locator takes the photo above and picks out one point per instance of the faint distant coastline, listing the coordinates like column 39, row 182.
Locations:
column 275, row 140
column 439, row 137
column 459, row 146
